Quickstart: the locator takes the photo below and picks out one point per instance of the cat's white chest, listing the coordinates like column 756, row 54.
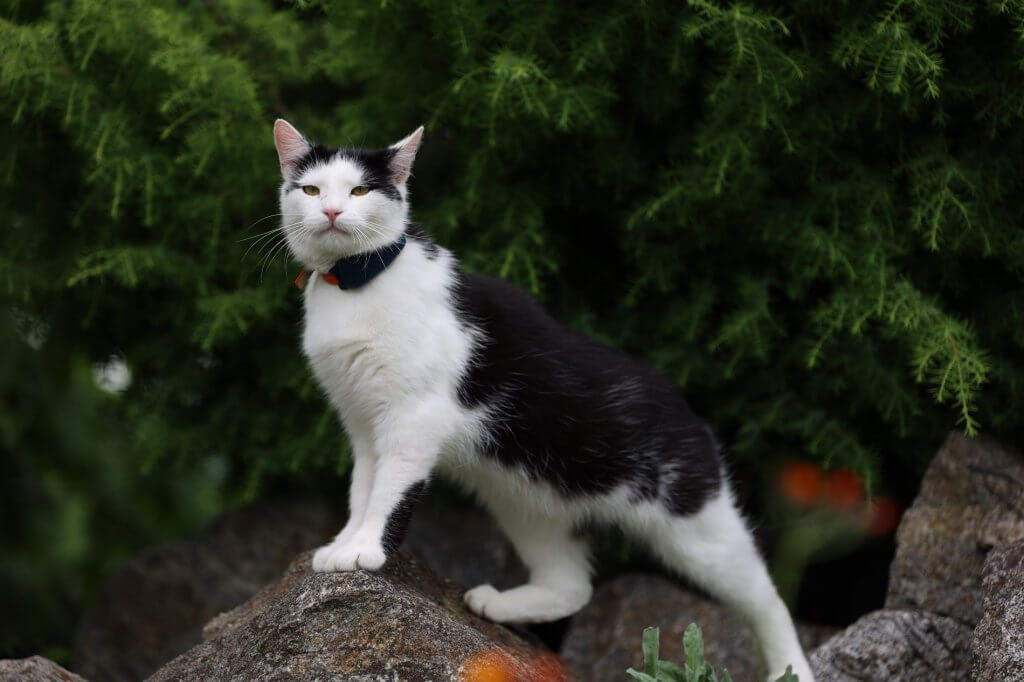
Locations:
column 392, row 343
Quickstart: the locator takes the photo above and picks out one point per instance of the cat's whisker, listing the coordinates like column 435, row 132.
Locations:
column 364, row 243
column 283, row 226
column 263, row 259
column 268, row 261
column 256, row 243
column 281, row 247
column 268, row 217
column 270, row 245
column 257, row 236
column 264, row 238
column 286, row 230
column 376, row 230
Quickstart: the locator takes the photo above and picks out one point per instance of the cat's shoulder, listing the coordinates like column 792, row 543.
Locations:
column 417, row 235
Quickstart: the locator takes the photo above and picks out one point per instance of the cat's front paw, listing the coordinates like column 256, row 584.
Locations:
column 351, row 556
column 478, row 598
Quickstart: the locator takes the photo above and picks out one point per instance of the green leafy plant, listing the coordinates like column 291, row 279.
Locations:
column 695, row 669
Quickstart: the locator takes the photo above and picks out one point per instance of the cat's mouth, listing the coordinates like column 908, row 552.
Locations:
column 334, row 229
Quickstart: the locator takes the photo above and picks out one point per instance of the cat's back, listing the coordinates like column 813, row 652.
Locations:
column 571, row 411
column 518, row 336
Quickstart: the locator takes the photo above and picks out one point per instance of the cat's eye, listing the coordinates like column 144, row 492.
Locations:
column 311, row 190
column 360, row 190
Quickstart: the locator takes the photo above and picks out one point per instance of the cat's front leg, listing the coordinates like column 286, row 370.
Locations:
column 399, row 477
column 364, row 465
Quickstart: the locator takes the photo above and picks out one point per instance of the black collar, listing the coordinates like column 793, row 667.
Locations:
column 359, row 270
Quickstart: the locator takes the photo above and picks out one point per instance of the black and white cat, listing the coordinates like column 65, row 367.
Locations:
column 433, row 369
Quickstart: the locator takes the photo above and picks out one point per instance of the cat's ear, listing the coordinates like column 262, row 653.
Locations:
column 291, row 145
column 402, row 154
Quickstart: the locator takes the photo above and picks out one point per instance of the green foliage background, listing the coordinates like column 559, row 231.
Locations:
column 807, row 213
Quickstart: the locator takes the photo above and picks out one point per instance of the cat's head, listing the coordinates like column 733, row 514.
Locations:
column 340, row 202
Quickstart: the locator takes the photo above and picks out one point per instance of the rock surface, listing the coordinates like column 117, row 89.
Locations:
column 154, row 606
column 400, row 623
column 35, row 669
column 998, row 645
column 907, row 646
column 971, row 500
column 604, row 638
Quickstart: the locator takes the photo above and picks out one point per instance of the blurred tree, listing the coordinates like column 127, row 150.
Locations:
column 806, row 214
column 75, row 499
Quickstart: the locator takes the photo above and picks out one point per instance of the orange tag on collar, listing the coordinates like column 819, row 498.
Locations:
column 302, row 279
column 330, row 279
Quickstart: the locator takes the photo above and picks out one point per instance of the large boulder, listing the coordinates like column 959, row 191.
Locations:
column 604, row 638
column 971, row 500
column 156, row 603
column 908, row 646
column 35, row 669
column 998, row 645
column 971, row 504
column 400, row 623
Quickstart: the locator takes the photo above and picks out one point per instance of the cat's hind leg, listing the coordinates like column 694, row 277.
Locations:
column 559, row 569
column 714, row 549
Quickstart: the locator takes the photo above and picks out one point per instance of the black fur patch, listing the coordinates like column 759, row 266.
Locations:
column 414, row 231
column 575, row 413
column 398, row 521
column 317, row 154
column 376, row 169
column 374, row 162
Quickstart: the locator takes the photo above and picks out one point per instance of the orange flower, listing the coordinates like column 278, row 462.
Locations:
column 498, row 665
column 842, row 489
column 800, row 482
column 490, row 665
column 881, row 516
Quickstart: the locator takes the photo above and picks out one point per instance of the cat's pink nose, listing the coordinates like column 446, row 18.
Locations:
column 331, row 215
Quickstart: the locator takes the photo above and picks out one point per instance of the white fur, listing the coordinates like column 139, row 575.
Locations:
column 370, row 221
column 389, row 357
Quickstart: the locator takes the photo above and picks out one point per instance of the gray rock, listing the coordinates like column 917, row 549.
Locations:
column 998, row 646
column 400, row 623
column 156, row 603
column 604, row 638
column 154, row 606
column 971, row 500
column 35, row 669
column 896, row 645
